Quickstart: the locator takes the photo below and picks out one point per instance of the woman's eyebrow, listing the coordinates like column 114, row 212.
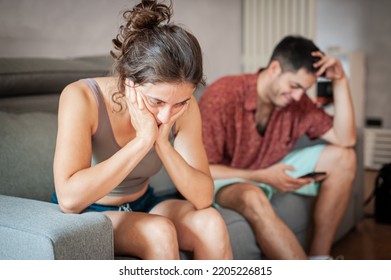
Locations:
column 184, row 100
column 154, row 98
column 159, row 100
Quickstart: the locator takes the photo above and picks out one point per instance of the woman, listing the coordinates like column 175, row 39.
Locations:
column 115, row 132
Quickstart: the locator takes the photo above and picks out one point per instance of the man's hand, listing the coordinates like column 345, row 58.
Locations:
column 343, row 133
column 328, row 66
column 276, row 177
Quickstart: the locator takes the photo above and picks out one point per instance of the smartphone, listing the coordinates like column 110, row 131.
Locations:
column 317, row 176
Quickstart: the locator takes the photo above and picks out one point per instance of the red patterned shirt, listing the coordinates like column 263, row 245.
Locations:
column 228, row 108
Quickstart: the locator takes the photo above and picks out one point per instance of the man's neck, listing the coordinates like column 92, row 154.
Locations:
column 262, row 116
column 264, row 106
column 263, row 85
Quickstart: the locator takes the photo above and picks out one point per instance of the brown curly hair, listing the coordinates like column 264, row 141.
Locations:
column 150, row 49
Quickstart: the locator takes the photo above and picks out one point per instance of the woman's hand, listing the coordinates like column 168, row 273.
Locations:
column 328, row 66
column 165, row 129
column 141, row 118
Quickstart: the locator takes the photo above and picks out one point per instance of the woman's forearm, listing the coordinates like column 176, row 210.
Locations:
column 195, row 185
column 88, row 185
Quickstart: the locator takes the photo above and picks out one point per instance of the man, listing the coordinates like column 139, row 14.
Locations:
column 250, row 125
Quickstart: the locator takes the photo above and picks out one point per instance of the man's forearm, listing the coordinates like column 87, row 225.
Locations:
column 344, row 121
column 219, row 171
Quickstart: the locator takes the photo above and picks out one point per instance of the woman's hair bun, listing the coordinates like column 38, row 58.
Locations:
column 150, row 49
column 148, row 14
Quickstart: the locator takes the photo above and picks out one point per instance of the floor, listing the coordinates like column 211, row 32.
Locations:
column 369, row 240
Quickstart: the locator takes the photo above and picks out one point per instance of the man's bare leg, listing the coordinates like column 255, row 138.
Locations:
column 333, row 197
column 275, row 239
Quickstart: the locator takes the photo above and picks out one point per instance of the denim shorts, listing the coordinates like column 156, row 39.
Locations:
column 143, row 204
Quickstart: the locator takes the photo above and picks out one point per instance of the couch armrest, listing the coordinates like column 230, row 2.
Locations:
column 31, row 229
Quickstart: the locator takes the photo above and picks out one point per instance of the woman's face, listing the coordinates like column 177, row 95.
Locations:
column 164, row 100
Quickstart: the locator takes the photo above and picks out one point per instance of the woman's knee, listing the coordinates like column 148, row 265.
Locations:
column 160, row 238
column 208, row 227
column 160, row 230
column 144, row 235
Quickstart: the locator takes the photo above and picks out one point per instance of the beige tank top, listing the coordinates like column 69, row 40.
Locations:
column 104, row 146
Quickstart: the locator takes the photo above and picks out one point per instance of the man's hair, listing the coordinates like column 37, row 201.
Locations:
column 294, row 53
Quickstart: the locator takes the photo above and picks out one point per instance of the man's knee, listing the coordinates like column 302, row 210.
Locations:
column 346, row 160
column 241, row 196
column 340, row 164
column 339, row 158
column 251, row 202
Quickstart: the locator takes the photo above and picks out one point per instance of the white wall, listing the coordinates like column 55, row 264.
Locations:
column 56, row 28
column 59, row 28
column 362, row 25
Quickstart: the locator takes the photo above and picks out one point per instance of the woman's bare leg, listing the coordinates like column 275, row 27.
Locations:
column 143, row 235
column 202, row 232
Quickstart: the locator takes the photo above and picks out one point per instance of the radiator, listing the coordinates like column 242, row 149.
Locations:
column 377, row 147
column 265, row 22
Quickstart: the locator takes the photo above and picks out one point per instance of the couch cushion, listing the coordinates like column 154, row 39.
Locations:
column 27, row 104
column 295, row 210
column 105, row 61
column 31, row 229
column 36, row 76
column 27, row 144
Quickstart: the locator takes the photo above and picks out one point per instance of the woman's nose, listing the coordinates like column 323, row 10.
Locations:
column 164, row 115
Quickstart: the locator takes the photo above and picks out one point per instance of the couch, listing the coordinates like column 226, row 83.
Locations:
column 33, row 228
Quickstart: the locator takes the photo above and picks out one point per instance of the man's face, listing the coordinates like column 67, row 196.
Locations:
column 288, row 87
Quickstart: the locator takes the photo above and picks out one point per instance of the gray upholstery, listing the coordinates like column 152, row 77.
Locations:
column 27, row 149
column 242, row 238
column 35, row 76
column 32, row 228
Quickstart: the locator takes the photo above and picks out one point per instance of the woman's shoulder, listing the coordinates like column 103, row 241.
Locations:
column 76, row 93
column 77, row 103
column 83, row 89
column 78, row 98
